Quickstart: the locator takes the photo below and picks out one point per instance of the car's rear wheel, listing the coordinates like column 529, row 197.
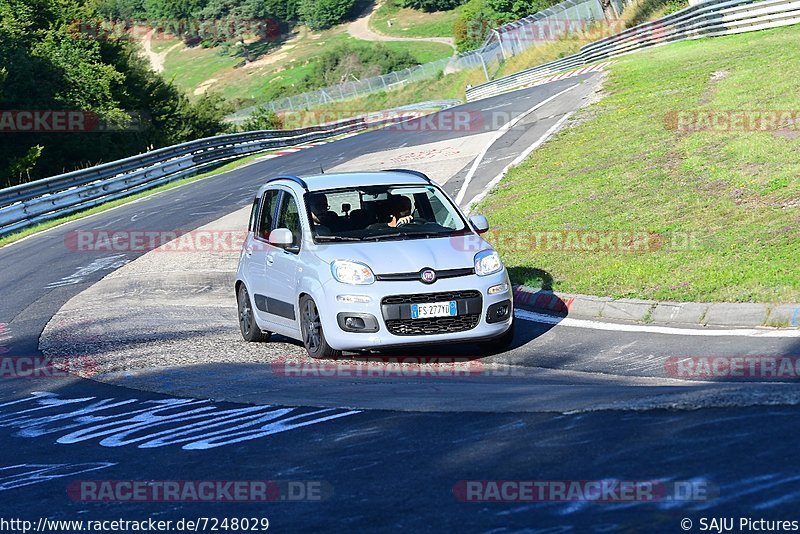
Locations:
column 313, row 334
column 247, row 320
column 501, row 343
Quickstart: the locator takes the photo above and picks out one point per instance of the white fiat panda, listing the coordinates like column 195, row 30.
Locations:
column 368, row 261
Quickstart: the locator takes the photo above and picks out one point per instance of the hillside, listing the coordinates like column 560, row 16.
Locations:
column 286, row 68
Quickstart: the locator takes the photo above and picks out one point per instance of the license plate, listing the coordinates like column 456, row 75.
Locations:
column 434, row 309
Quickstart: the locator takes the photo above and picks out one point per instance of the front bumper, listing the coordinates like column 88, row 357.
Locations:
column 395, row 328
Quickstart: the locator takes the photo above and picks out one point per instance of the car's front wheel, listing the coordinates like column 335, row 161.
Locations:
column 311, row 328
column 247, row 321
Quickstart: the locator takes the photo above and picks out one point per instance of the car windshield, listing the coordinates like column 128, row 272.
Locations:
column 377, row 213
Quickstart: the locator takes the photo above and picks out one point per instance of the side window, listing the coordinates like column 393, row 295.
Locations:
column 268, row 202
column 251, row 226
column 289, row 217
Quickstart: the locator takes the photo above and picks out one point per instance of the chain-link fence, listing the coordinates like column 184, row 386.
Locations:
column 506, row 41
column 571, row 16
column 488, row 58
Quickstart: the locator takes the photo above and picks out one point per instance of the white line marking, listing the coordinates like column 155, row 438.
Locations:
column 503, row 129
column 526, row 315
column 106, row 263
column 496, row 180
column 193, row 424
column 15, row 476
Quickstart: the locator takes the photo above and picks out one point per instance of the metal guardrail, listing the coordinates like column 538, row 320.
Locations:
column 708, row 19
column 35, row 202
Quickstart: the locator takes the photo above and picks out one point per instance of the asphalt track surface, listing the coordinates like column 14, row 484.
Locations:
column 387, row 469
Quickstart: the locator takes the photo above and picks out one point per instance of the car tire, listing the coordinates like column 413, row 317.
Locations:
column 311, row 329
column 501, row 343
column 247, row 320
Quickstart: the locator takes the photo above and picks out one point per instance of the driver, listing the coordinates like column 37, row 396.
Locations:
column 320, row 210
column 400, row 210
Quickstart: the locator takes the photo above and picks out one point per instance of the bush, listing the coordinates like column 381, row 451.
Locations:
column 432, row 5
column 322, row 14
column 262, row 119
column 348, row 61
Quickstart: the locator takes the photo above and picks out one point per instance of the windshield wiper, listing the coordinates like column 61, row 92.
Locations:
column 405, row 235
column 393, row 235
column 336, row 238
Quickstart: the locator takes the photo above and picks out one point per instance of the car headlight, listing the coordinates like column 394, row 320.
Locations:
column 487, row 262
column 352, row 272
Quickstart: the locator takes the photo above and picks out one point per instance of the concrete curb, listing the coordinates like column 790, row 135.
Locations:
column 715, row 314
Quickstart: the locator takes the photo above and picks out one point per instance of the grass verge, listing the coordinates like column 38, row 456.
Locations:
column 622, row 166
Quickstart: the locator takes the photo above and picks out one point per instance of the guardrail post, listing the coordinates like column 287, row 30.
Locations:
column 500, row 40
column 483, row 64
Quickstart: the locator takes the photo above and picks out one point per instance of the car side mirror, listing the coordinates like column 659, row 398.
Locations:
column 281, row 237
column 479, row 223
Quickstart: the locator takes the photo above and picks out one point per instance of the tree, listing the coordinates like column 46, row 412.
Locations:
column 172, row 10
column 509, row 10
column 128, row 10
column 282, row 10
column 322, row 14
column 50, row 65
column 21, row 167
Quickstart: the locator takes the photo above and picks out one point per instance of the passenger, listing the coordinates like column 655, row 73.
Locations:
column 320, row 212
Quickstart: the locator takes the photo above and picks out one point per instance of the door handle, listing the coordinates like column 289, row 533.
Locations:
column 270, row 259
column 248, row 251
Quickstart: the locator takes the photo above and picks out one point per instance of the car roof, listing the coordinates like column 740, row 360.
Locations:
column 320, row 182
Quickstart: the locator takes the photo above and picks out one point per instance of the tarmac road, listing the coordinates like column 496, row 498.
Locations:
column 381, row 468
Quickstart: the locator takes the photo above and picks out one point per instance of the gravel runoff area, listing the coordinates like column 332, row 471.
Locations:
column 166, row 322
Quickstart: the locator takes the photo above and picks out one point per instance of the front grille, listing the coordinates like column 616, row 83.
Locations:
column 410, row 277
column 397, row 313
column 435, row 325
column 419, row 298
